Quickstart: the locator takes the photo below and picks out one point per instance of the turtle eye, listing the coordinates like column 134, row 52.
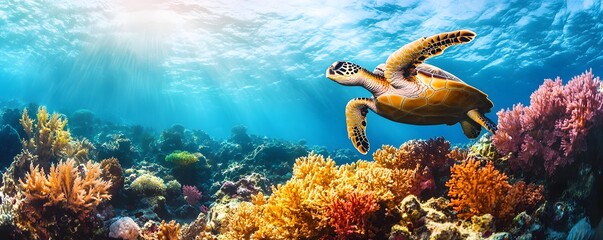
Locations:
column 338, row 65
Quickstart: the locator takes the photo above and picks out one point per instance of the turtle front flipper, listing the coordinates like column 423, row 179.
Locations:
column 400, row 66
column 471, row 128
column 355, row 117
column 482, row 120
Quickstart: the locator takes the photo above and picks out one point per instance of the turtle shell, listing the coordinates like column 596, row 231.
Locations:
column 443, row 99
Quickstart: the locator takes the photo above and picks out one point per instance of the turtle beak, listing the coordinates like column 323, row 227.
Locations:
column 331, row 69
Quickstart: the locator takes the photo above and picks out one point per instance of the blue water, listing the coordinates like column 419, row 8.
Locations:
column 211, row 65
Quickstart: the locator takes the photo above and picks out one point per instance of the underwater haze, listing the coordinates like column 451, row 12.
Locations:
column 211, row 65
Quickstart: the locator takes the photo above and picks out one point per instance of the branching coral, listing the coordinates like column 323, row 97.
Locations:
column 62, row 200
column 242, row 223
column 191, row 194
column 520, row 197
column 552, row 130
column 476, row 190
column 66, row 186
column 168, row 231
column 350, row 216
column 47, row 137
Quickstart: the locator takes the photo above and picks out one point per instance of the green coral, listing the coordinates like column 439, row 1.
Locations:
column 148, row 185
column 183, row 158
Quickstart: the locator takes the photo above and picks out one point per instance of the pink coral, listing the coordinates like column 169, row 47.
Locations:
column 552, row 130
column 191, row 194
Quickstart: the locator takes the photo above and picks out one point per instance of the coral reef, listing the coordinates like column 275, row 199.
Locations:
column 119, row 147
column 256, row 187
column 431, row 220
column 552, row 130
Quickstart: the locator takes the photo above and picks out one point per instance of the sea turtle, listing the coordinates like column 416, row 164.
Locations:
column 406, row 90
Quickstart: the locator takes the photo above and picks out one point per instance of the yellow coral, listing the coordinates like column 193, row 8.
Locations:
column 296, row 209
column 47, row 138
column 241, row 223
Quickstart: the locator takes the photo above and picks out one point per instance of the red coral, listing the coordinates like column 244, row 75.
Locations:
column 551, row 131
column 520, row 197
column 349, row 217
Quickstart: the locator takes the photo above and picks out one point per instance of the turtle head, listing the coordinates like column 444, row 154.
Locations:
column 380, row 70
column 344, row 73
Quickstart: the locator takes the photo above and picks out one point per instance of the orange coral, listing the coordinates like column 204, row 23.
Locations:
column 66, row 186
column 476, row 190
column 168, row 231
column 61, row 202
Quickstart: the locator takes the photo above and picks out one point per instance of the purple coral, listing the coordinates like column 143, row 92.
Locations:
column 552, row 130
column 191, row 194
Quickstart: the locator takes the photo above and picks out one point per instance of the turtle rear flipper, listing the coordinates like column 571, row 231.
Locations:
column 355, row 117
column 471, row 128
column 482, row 120
column 401, row 65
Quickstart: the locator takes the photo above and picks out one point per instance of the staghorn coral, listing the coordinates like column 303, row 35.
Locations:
column 47, row 137
column 552, row 130
column 242, row 223
column 66, row 186
column 476, row 190
column 61, row 201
